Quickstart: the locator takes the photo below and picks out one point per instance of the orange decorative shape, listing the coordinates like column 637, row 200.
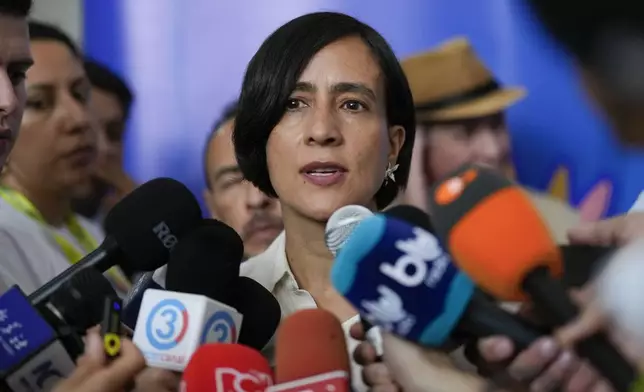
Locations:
column 558, row 186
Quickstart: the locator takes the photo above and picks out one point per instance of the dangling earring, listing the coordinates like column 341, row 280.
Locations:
column 389, row 173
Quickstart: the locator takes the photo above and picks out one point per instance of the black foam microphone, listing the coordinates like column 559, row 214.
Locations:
column 206, row 262
column 261, row 311
column 141, row 231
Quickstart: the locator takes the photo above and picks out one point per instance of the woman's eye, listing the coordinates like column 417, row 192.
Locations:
column 293, row 104
column 354, row 106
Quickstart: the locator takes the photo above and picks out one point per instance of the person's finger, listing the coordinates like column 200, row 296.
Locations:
column 120, row 372
column 556, row 373
column 582, row 380
column 531, row 362
column 376, row 374
column 589, row 322
column 365, row 354
column 357, row 331
column 91, row 361
column 601, row 233
column 496, row 348
column 602, row 386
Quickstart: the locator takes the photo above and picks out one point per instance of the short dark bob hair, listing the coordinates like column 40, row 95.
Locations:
column 271, row 78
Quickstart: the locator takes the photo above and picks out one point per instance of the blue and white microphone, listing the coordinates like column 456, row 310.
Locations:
column 400, row 278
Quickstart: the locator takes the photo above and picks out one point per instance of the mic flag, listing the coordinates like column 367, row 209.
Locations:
column 399, row 266
column 31, row 356
column 171, row 326
column 226, row 368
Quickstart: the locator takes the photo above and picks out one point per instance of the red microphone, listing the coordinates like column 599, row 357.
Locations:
column 226, row 368
column 311, row 354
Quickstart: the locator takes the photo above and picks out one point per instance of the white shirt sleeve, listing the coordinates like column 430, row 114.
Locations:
column 638, row 206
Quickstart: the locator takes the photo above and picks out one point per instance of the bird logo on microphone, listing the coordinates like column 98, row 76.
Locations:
column 388, row 312
column 167, row 324
column 220, row 328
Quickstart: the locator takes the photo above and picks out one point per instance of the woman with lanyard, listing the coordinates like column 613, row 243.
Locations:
column 51, row 163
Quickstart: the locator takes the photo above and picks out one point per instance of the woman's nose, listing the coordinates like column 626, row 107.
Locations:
column 323, row 131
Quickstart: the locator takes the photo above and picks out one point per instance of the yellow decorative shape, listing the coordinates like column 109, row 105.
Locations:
column 558, row 186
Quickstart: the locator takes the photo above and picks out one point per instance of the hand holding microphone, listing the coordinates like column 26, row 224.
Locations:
column 94, row 374
column 498, row 238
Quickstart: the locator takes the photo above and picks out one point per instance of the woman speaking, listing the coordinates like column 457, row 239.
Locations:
column 326, row 119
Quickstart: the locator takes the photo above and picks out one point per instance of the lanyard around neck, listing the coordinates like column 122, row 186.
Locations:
column 81, row 235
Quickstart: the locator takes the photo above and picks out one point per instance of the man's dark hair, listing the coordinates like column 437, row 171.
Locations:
column 19, row 8
column 272, row 75
column 39, row 31
column 229, row 113
column 100, row 76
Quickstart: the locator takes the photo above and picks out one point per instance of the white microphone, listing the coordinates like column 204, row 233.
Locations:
column 32, row 358
column 620, row 290
column 171, row 326
column 341, row 224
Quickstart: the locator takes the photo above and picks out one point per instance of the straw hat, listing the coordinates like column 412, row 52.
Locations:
column 451, row 83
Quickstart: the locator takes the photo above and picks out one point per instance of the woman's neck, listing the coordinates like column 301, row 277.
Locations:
column 309, row 258
column 54, row 207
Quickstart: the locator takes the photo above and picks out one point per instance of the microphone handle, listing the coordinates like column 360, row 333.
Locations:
column 102, row 258
column 550, row 294
column 483, row 318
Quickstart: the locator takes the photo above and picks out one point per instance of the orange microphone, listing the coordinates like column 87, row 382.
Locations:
column 311, row 354
column 497, row 237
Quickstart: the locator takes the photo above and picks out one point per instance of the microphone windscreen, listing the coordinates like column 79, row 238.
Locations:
column 82, row 298
column 309, row 342
column 340, row 225
column 226, row 367
column 261, row 311
column 410, row 214
column 206, row 261
column 148, row 222
column 492, row 230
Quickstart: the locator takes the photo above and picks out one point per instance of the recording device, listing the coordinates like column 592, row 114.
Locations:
column 311, row 354
column 202, row 268
column 226, row 367
column 141, row 230
column 498, row 238
column 132, row 303
column 32, row 357
column 401, row 279
column 111, row 326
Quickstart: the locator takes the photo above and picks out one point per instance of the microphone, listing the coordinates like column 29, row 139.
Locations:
column 401, row 279
column 38, row 348
column 141, row 230
column 173, row 323
column 311, row 354
column 498, row 238
column 226, row 368
column 261, row 311
column 132, row 303
column 340, row 225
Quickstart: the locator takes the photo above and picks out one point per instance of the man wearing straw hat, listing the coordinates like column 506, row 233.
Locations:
column 460, row 107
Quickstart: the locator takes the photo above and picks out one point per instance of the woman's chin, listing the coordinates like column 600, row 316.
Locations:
column 322, row 211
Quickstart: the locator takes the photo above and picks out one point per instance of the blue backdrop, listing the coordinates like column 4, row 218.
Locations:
column 185, row 61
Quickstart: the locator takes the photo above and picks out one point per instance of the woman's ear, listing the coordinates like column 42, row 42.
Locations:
column 396, row 141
